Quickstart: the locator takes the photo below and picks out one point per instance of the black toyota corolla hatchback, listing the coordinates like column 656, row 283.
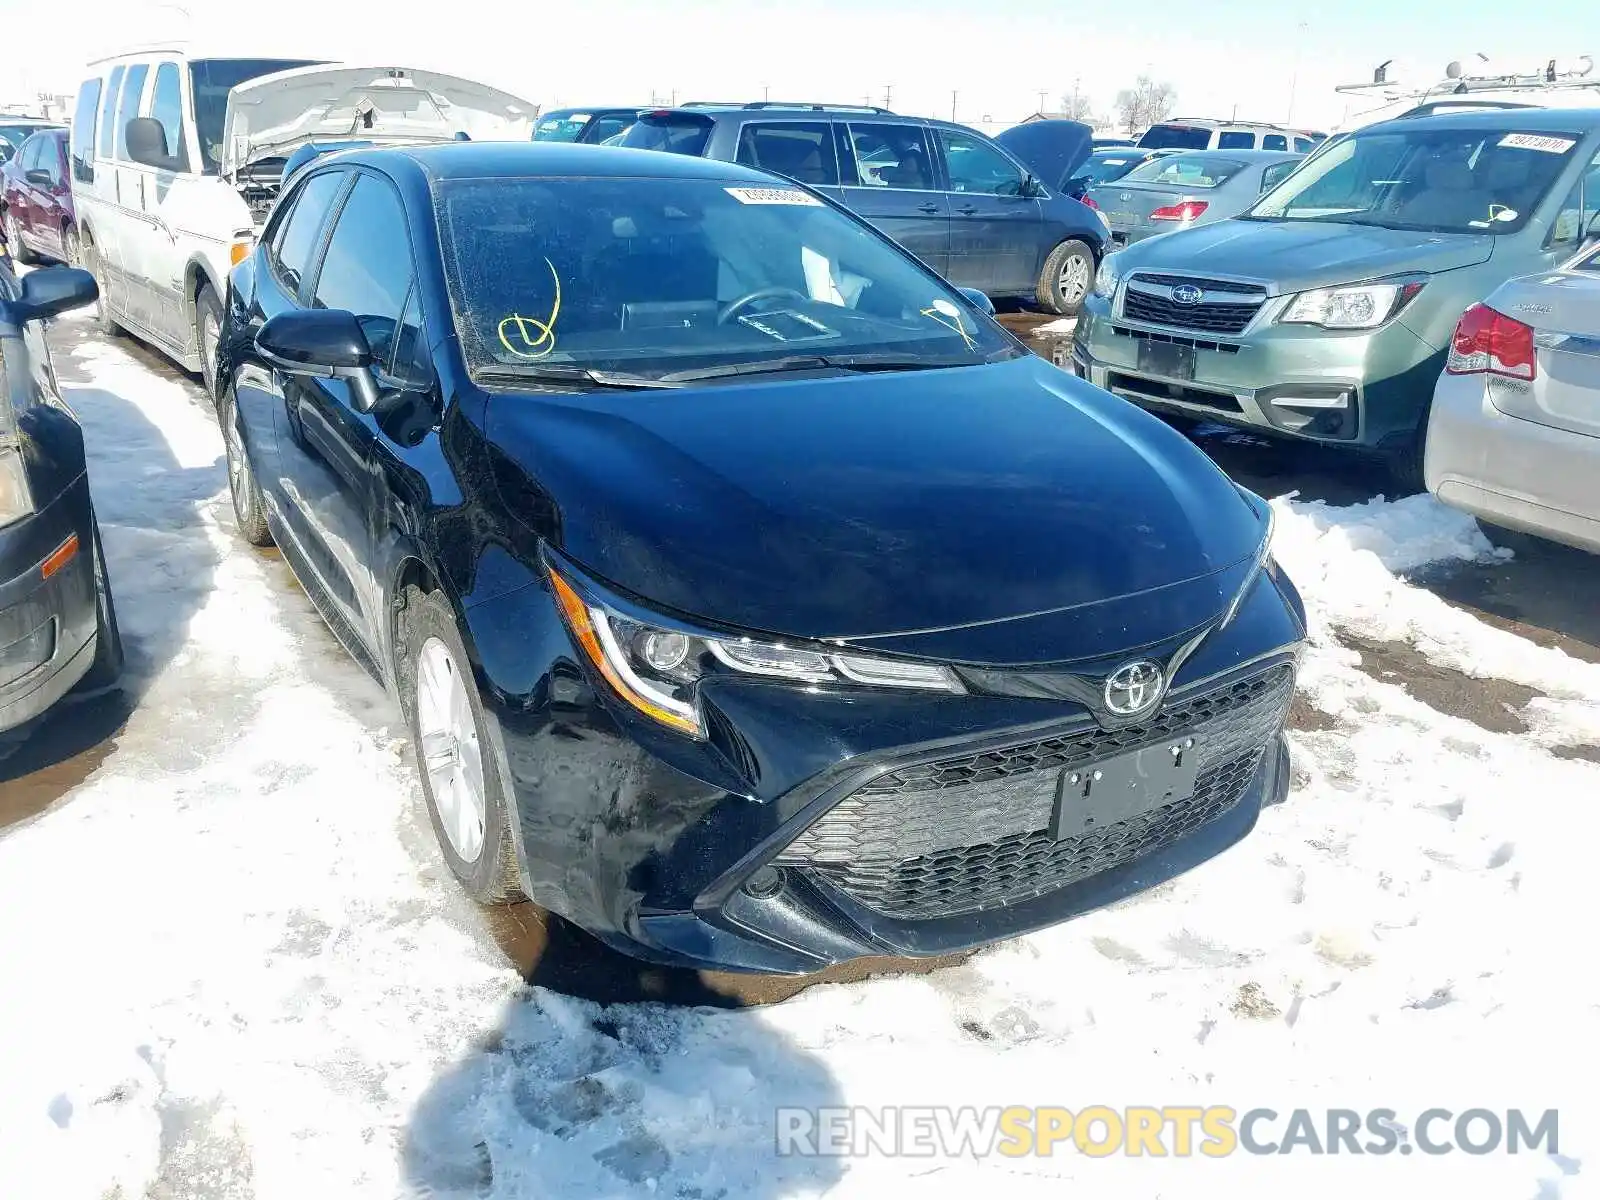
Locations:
column 754, row 599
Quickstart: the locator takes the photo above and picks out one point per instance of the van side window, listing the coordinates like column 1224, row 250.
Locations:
column 801, row 150
column 108, row 112
column 84, row 120
column 1236, row 139
column 128, row 105
column 293, row 249
column 166, row 106
column 891, row 156
column 1302, row 145
column 1274, row 141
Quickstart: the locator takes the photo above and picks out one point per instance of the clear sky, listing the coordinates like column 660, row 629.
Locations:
column 997, row 55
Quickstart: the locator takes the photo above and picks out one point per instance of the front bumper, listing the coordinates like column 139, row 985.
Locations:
column 805, row 831
column 1511, row 471
column 47, row 623
column 1356, row 389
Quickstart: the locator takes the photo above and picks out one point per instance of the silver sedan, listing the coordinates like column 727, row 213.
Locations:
column 1181, row 191
column 1514, row 433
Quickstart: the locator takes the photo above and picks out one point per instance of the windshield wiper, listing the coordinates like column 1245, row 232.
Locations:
column 581, row 376
column 816, row 362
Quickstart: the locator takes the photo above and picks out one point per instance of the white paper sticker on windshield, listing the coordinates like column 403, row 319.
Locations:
column 1538, row 141
column 755, row 195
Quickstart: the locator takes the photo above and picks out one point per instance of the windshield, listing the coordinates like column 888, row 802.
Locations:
column 1103, row 168
column 1176, row 137
column 561, row 127
column 655, row 276
column 1429, row 180
column 1188, row 171
column 211, row 79
column 676, row 134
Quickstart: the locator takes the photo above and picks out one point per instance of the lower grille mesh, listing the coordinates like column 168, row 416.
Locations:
column 971, row 833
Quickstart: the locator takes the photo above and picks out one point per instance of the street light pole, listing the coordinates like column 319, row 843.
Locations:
column 953, row 107
column 1294, row 79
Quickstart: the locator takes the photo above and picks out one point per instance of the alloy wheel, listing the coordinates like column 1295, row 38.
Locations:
column 210, row 335
column 1074, row 282
column 238, row 464
column 451, row 757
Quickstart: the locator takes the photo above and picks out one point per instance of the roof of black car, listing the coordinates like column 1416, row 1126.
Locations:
column 498, row 160
column 1531, row 120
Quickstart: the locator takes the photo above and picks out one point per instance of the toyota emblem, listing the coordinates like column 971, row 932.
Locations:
column 1187, row 293
column 1135, row 689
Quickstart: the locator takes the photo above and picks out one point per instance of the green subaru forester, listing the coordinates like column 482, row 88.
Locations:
column 1325, row 312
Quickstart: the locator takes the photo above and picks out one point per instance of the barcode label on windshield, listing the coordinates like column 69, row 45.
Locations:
column 753, row 195
column 1537, row 141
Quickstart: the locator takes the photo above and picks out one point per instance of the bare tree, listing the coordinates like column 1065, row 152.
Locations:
column 1076, row 107
column 1144, row 104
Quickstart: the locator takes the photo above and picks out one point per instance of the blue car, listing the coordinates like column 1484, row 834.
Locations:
column 987, row 213
column 754, row 600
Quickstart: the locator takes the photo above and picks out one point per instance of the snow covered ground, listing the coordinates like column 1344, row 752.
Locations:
column 232, row 966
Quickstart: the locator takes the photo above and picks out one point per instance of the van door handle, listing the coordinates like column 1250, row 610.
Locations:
column 928, row 208
column 967, row 210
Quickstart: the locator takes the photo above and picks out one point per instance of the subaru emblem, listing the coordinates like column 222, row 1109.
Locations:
column 1187, row 293
column 1134, row 689
column 1125, row 197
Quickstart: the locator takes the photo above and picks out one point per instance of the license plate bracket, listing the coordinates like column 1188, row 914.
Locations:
column 1089, row 798
column 1166, row 359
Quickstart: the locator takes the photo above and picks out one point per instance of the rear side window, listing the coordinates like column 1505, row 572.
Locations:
column 1276, row 174
column 675, row 133
column 607, row 127
column 802, row 151
column 367, row 269
column 166, row 106
column 128, row 106
column 891, row 156
column 1274, row 141
column 1303, row 145
column 1176, row 137
column 108, row 113
column 84, row 119
column 1235, row 139
column 297, row 241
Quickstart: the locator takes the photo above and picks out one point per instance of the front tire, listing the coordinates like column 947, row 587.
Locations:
column 106, row 669
column 71, row 249
column 460, row 779
column 19, row 249
column 249, row 510
column 104, row 322
column 1067, row 276
column 208, row 334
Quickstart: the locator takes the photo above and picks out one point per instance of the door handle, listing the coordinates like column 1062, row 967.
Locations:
column 967, row 210
column 928, row 208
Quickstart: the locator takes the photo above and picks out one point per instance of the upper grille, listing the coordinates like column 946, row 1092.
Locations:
column 1207, row 317
column 1205, row 285
column 971, row 832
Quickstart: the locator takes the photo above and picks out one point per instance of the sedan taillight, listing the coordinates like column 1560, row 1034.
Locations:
column 1487, row 342
column 1187, row 211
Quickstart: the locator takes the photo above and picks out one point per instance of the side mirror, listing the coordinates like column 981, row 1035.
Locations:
column 51, row 291
column 321, row 343
column 147, row 142
column 979, row 300
column 40, row 177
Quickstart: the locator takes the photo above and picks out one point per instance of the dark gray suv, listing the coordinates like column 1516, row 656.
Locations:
column 986, row 213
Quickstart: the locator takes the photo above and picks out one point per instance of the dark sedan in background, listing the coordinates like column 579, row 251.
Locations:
column 58, row 625
column 36, row 200
column 753, row 598
column 986, row 213
column 1106, row 165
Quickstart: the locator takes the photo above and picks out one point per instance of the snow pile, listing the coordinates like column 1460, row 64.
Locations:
column 233, row 967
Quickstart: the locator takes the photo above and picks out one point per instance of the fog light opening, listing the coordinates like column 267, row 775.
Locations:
column 1330, row 415
column 765, row 883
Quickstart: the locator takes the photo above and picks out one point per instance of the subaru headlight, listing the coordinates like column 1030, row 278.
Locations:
column 657, row 669
column 1108, row 276
column 1364, row 306
column 16, row 497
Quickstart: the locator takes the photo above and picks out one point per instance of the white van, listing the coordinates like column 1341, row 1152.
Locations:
column 176, row 162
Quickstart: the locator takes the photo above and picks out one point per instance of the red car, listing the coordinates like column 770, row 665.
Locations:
column 36, row 200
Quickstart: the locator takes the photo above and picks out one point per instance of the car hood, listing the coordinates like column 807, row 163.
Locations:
column 1290, row 256
column 994, row 514
column 1052, row 150
column 275, row 114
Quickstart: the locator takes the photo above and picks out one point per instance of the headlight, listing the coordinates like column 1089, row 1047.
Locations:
column 16, row 498
column 657, row 670
column 1107, row 277
column 1365, row 306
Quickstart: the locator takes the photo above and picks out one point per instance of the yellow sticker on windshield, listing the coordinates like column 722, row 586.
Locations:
column 755, row 195
column 1538, row 141
column 533, row 338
